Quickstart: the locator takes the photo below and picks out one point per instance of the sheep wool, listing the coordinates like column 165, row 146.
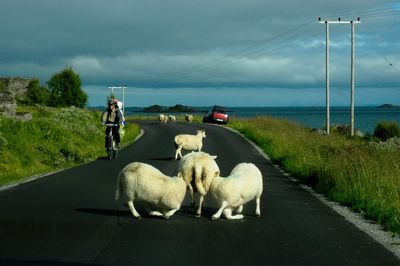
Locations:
column 189, row 142
column 198, row 169
column 242, row 185
column 143, row 182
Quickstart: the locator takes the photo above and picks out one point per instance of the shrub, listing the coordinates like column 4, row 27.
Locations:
column 387, row 130
column 36, row 94
column 65, row 89
column 3, row 142
column 2, row 86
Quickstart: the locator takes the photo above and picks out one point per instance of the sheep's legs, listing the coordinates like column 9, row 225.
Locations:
column 239, row 209
column 258, row 213
column 229, row 216
column 217, row 215
column 165, row 215
column 178, row 151
column 198, row 212
column 133, row 210
column 191, row 195
column 171, row 212
column 156, row 213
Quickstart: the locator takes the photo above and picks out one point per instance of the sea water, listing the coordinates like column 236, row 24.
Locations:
column 365, row 118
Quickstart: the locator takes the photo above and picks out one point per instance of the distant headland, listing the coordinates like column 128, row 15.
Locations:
column 178, row 108
column 388, row 105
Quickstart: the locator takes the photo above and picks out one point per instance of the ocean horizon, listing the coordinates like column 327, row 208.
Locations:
column 366, row 117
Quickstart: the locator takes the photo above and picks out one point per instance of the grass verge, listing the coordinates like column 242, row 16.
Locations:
column 55, row 138
column 351, row 171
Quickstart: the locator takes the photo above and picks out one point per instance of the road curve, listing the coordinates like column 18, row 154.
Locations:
column 70, row 218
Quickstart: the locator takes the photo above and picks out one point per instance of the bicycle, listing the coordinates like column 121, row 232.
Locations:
column 111, row 145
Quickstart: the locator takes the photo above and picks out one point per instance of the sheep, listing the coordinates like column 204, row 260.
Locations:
column 189, row 118
column 172, row 118
column 242, row 185
column 161, row 118
column 140, row 181
column 198, row 170
column 189, row 142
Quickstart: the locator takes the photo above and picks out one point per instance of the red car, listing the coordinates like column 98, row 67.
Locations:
column 218, row 115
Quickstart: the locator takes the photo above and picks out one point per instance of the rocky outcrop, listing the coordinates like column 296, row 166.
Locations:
column 11, row 89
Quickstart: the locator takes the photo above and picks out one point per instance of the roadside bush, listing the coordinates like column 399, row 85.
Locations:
column 36, row 94
column 387, row 130
column 3, row 142
column 65, row 89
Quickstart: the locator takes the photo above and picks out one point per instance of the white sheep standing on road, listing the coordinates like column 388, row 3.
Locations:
column 172, row 118
column 242, row 185
column 198, row 170
column 161, row 118
column 189, row 118
column 143, row 182
column 189, row 142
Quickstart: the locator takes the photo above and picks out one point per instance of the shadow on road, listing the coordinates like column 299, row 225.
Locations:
column 184, row 211
column 163, row 159
column 106, row 212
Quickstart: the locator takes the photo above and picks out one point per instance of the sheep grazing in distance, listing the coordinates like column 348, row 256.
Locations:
column 198, row 170
column 165, row 119
column 189, row 118
column 189, row 142
column 143, row 182
column 172, row 118
column 242, row 185
column 161, row 118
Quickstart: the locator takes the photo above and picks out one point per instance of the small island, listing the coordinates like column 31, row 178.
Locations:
column 387, row 105
column 178, row 108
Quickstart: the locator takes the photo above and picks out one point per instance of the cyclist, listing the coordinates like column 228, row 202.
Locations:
column 112, row 116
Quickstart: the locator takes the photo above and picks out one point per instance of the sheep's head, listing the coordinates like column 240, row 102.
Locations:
column 202, row 133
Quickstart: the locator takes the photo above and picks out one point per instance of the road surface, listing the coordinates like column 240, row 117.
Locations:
column 71, row 218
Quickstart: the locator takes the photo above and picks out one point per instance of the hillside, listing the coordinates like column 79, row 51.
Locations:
column 55, row 138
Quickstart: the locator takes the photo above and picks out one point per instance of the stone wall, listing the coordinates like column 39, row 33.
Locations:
column 10, row 89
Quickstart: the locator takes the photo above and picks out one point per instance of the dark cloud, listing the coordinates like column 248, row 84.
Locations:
column 199, row 44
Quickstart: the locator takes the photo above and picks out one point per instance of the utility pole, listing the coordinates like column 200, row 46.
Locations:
column 328, row 117
column 352, row 77
column 352, row 23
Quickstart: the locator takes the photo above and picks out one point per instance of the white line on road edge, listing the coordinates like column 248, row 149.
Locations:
column 374, row 230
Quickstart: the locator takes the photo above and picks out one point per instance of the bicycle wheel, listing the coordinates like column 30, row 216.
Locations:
column 115, row 149
column 109, row 153
column 110, row 142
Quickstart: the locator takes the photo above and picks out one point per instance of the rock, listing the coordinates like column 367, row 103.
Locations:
column 10, row 90
column 24, row 117
column 346, row 130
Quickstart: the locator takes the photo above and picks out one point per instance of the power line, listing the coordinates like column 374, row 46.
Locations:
column 268, row 45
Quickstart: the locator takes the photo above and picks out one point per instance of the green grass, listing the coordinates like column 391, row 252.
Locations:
column 352, row 171
column 56, row 138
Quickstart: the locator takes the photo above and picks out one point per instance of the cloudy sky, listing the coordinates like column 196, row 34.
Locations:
column 201, row 53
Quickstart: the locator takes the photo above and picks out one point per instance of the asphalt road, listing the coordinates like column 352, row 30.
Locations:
column 71, row 218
